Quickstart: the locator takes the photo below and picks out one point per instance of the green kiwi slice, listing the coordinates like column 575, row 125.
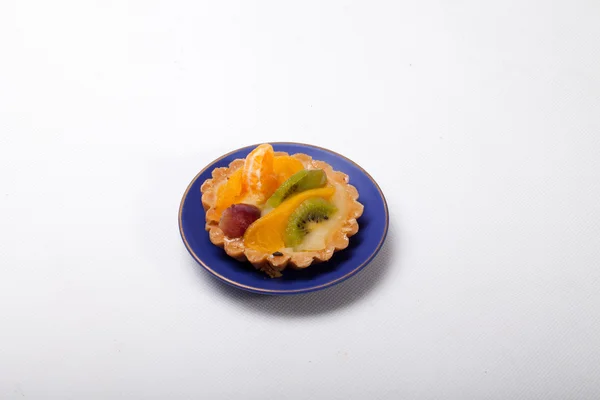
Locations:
column 309, row 212
column 299, row 182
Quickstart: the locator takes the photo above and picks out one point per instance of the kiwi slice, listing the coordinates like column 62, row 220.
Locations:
column 310, row 211
column 299, row 182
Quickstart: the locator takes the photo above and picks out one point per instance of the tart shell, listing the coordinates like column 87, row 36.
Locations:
column 269, row 263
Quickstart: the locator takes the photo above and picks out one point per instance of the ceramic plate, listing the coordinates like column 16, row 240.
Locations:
column 344, row 264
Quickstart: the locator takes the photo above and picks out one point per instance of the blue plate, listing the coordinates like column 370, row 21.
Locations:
column 373, row 227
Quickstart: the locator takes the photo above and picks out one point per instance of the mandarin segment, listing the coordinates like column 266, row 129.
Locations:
column 258, row 178
column 284, row 167
column 229, row 192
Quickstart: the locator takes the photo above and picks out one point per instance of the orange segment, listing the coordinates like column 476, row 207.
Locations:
column 284, row 167
column 258, row 179
column 266, row 233
column 229, row 192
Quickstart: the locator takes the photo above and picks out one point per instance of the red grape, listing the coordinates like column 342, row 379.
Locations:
column 237, row 218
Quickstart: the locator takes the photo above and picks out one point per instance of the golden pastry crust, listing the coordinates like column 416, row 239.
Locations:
column 267, row 262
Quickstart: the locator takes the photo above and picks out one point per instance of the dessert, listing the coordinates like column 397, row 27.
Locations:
column 279, row 210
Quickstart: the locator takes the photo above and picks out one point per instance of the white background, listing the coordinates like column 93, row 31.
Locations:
column 480, row 121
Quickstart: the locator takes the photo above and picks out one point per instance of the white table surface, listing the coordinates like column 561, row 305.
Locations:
column 480, row 121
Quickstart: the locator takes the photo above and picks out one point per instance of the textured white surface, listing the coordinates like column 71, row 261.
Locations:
column 480, row 121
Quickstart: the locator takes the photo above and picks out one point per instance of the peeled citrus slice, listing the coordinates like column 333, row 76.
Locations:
column 258, row 179
column 284, row 167
column 229, row 192
column 267, row 233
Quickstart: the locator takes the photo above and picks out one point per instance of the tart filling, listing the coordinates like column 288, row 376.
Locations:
column 277, row 210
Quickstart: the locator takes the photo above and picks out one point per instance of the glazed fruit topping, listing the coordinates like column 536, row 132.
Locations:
column 309, row 213
column 237, row 218
column 267, row 234
column 299, row 182
column 261, row 174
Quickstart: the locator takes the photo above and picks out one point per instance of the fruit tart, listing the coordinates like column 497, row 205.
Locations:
column 276, row 210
